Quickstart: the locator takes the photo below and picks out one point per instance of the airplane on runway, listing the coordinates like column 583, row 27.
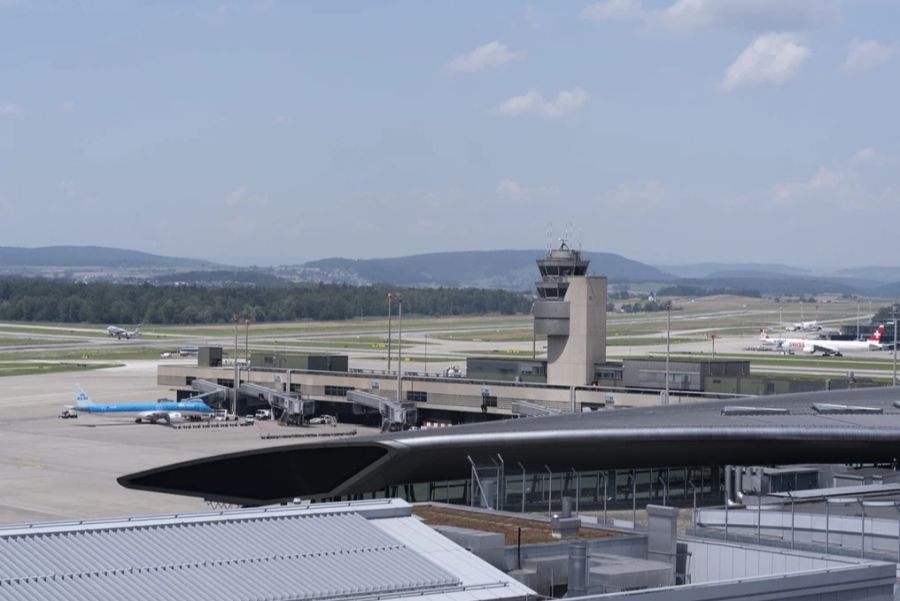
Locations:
column 170, row 412
column 121, row 333
column 836, row 348
column 804, row 326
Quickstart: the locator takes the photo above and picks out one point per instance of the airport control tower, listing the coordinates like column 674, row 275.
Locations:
column 571, row 312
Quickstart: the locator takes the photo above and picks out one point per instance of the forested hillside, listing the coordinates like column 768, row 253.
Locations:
column 37, row 299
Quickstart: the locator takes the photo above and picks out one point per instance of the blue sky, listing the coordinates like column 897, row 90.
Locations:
column 669, row 132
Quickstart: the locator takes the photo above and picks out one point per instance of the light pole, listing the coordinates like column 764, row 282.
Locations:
column 247, row 342
column 390, row 297
column 533, row 334
column 668, row 340
column 426, row 354
column 399, row 348
column 894, row 312
column 237, row 372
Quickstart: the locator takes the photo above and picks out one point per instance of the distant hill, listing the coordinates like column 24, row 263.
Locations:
column 776, row 284
column 83, row 256
column 884, row 274
column 705, row 270
column 509, row 269
column 889, row 290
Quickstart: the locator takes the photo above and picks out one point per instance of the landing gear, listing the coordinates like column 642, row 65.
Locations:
column 137, row 420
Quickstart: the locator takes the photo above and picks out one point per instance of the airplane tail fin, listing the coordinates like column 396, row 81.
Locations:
column 81, row 397
column 762, row 334
column 876, row 336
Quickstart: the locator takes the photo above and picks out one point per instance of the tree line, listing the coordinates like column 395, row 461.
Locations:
column 41, row 299
column 698, row 291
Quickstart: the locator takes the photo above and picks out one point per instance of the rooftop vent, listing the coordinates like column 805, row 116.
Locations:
column 737, row 410
column 833, row 409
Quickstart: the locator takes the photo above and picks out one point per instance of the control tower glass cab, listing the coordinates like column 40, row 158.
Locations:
column 556, row 268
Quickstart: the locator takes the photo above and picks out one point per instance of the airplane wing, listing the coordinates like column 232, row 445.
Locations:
column 822, row 346
column 155, row 416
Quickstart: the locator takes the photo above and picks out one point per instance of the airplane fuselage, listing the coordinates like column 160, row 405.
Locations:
column 183, row 407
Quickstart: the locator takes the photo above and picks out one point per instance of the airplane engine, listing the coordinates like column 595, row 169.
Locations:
column 175, row 418
column 809, row 349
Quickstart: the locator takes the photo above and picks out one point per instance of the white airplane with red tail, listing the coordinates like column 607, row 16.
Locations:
column 834, row 348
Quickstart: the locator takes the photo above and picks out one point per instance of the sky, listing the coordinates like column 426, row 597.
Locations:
column 668, row 131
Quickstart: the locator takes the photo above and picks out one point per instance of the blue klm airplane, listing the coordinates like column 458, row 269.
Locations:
column 162, row 410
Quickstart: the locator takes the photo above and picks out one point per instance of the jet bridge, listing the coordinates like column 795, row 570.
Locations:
column 395, row 415
column 529, row 409
column 292, row 409
column 210, row 392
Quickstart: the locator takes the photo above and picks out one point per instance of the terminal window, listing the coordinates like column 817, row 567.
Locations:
column 337, row 390
column 419, row 396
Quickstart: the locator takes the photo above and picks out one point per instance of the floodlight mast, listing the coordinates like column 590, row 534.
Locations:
column 894, row 311
column 390, row 297
column 668, row 340
column 237, row 373
column 399, row 347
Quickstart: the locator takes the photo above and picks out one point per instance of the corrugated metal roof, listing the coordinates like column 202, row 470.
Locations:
column 293, row 553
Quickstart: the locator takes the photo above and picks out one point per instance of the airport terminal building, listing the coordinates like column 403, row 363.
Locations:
column 570, row 310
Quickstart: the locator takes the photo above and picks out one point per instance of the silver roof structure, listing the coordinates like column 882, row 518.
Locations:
column 788, row 430
column 339, row 551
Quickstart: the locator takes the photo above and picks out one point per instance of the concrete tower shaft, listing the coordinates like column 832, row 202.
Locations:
column 571, row 313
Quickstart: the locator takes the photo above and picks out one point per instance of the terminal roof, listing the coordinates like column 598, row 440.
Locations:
column 346, row 551
column 694, row 434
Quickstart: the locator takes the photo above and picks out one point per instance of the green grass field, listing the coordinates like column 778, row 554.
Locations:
column 122, row 353
column 32, row 341
column 342, row 342
column 21, row 368
column 375, row 326
column 506, row 335
column 644, row 341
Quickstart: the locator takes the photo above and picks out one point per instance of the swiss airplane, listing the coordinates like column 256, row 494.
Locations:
column 834, row 348
column 804, row 326
column 121, row 333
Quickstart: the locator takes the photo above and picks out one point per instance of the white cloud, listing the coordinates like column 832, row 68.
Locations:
column 868, row 54
column 755, row 15
column 864, row 155
column 242, row 196
column 8, row 109
column 613, row 9
column 67, row 106
column 508, row 189
column 532, row 103
column 67, row 188
column 829, row 187
column 641, row 197
column 846, row 185
column 824, row 182
column 493, row 54
column 234, row 198
column 772, row 58
column 869, row 157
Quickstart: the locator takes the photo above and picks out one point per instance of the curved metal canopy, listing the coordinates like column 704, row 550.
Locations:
column 704, row 433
